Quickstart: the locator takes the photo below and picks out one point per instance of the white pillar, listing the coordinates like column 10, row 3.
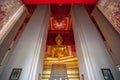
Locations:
column 38, row 60
column 91, row 51
column 29, row 51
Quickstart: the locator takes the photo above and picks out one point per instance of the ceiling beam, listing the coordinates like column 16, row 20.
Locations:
column 60, row 1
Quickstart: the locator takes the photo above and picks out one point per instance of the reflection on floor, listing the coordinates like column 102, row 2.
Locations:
column 70, row 62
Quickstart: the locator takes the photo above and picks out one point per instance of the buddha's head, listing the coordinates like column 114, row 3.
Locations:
column 59, row 39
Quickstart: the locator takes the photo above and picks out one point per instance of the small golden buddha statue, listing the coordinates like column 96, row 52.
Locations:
column 59, row 50
column 59, row 40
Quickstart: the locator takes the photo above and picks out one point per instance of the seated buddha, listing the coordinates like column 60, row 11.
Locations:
column 58, row 50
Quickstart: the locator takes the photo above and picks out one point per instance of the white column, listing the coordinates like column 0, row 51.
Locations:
column 29, row 51
column 38, row 59
column 91, row 51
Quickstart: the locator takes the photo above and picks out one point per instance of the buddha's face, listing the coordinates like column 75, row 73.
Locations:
column 59, row 42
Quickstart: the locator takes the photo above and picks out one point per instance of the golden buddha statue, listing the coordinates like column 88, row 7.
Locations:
column 58, row 50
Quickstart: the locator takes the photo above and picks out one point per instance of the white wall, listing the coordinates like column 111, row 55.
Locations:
column 8, row 40
column 111, row 35
column 91, row 50
column 26, row 53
